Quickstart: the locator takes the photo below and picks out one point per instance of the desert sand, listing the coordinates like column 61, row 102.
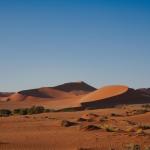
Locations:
column 44, row 131
column 119, row 122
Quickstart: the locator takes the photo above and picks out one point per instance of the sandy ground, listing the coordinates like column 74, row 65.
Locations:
column 44, row 131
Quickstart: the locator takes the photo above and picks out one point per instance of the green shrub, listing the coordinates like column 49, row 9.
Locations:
column 5, row 112
column 36, row 110
column 23, row 111
column 29, row 111
column 16, row 111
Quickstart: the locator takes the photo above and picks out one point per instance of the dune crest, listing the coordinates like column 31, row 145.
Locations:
column 105, row 92
column 75, row 87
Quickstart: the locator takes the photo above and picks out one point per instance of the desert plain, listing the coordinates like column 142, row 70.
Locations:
column 80, row 117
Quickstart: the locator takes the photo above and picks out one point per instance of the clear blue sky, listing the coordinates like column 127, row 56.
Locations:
column 49, row 42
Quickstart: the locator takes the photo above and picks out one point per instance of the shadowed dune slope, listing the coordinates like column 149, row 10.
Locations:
column 67, row 90
column 17, row 97
column 42, row 93
column 105, row 92
column 5, row 94
column 110, row 96
column 76, row 87
column 144, row 91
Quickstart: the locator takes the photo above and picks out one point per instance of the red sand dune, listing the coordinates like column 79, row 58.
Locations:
column 76, row 87
column 79, row 94
column 45, row 92
column 144, row 91
column 110, row 96
column 17, row 97
column 67, row 90
column 105, row 92
column 42, row 93
column 5, row 94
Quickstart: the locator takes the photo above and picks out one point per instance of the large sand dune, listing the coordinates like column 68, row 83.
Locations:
column 110, row 96
column 5, row 94
column 76, row 87
column 41, row 93
column 76, row 94
column 66, row 90
column 105, row 92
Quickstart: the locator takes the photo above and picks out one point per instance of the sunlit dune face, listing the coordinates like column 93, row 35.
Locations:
column 17, row 97
column 105, row 92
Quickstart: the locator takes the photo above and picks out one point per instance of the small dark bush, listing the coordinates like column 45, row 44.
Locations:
column 23, row 111
column 16, row 111
column 5, row 112
column 30, row 111
column 36, row 110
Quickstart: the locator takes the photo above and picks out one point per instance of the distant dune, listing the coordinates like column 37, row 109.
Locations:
column 75, row 87
column 45, row 92
column 40, row 93
column 75, row 94
column 5, row 94
column 64, row 91
column 110, row 96
column 105, row 92
column 145, row 91
column 17, row 97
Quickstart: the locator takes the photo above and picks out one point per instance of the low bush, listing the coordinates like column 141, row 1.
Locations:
column 30, row 111
column 21, row 111
column 36, row 110
column 5, row 112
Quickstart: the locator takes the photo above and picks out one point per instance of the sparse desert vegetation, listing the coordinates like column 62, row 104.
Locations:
column 24, row 111
column 41, row 124
column 5, row 112
column 88, row 129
